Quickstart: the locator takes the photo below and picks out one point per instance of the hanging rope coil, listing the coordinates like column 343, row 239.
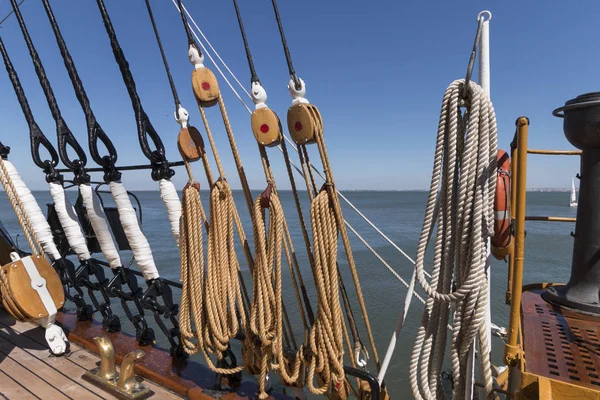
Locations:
column 224, row 304
column 212, row 299
column 327, row 334
column 460, row 202
column 266, row 318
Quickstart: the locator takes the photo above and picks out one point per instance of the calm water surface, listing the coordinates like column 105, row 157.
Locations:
column 399, row 215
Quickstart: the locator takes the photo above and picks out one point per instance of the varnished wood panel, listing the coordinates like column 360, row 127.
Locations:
column 24, row 295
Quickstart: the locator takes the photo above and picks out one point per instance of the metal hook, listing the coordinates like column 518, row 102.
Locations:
column 361, row 356
column 480, row 20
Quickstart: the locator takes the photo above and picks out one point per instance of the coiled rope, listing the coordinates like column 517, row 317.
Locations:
column 266, row 318
column 461, row 203
column 326, row 335
column 212, row 299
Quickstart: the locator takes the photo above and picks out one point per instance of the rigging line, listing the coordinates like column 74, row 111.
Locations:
column 285, row 136
column 65, row 136
column 164, row 57
column 254, row 77
column 213, row 61
column 288, row 57
column 95, row 131
column 10, row 13
column 187, row 27
column 144, row 126
column 211, row 47
column 36, row 136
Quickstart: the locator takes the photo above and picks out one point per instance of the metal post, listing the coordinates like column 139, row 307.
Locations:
column 514, row 160
column 484, row 82
column 511, row 349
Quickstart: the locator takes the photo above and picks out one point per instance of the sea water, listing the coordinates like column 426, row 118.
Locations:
column 399, row 215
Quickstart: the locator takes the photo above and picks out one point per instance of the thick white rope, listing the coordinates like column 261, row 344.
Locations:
column 100, row 225
column 169, row 196
column 135, row 237
column 36, row 218
column 464, row 179
column 69, row 221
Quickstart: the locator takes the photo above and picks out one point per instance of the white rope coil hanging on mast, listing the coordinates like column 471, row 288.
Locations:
column 460, row 202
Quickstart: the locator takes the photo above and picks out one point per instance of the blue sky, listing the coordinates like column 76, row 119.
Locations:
column 377, row 71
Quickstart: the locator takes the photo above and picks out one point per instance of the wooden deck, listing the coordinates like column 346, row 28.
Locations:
column 29, row 371
column 560, row 344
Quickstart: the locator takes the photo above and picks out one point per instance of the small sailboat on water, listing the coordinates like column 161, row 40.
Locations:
column 573, row 200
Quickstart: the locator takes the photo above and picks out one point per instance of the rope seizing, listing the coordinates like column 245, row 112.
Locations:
column 461, row 203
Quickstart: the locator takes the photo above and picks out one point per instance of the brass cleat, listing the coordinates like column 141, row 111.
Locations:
column 127, row 381
column 108, row 369
column 124, row 385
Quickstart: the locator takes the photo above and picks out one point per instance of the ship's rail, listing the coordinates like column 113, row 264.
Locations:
column 554, row 363
column 156, row 299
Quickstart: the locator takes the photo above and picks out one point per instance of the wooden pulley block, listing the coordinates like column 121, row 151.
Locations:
column 33, row 286
column 266, row 127
column 206, row 87
column 304, row 123
column 190, row 144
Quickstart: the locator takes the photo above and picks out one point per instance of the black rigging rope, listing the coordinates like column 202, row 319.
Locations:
column 65, row 136
column 37, row 137
column 286, row 50
column 95, row 131
column 144, row 126
column 254, row 77
column 164, row 58
column 188, row 32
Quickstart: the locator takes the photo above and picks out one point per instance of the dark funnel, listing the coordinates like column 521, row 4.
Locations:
column 581, row 126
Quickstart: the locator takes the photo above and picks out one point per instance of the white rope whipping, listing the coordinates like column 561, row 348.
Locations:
column 36, row 218
column 69, row 221
column 137, row 241
column 169, row 196
column 464, row 179
column 97, row 218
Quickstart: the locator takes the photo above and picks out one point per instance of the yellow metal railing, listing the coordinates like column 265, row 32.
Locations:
column 549, row 219
column 517, row 212
column 555, row 152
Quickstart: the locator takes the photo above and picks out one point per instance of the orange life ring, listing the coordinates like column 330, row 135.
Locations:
column 501, row 242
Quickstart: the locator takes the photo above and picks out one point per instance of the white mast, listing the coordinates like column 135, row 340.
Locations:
column 573, row 200
column 484, row 82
